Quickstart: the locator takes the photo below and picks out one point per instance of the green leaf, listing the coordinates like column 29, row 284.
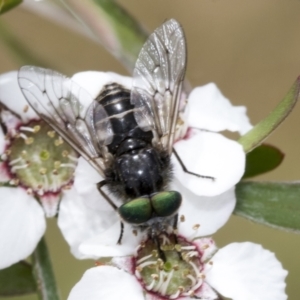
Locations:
column 264, row 128
column 17, row 280
column 6, row 5
column 274, row 204
column 262, row 159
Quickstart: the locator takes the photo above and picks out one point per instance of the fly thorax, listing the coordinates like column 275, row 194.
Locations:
column 140, row 172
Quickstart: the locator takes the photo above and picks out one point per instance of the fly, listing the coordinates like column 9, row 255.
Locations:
column 126, row 135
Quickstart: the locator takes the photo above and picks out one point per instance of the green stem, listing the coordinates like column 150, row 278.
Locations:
column 43, row 272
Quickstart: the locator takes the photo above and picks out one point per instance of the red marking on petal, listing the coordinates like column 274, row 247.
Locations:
column 50, row 202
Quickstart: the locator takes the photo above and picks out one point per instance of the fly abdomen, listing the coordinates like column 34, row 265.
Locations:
column 115, row 99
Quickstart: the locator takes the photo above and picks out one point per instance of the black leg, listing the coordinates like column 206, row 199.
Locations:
column 103, row 194
column 187, row 171
column 99, row 186
column 161, row 253
column 121, row 234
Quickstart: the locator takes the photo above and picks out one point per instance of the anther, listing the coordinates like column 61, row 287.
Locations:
column 58, row 142
column 65, row 153
column 43, row 171
column 57, row 164
column 134, row 232
column 29, row 140
column 25, row 108
column 51, row 133
column 182, row 218
column 196, row 226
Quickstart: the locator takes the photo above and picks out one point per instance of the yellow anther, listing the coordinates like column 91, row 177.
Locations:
column 36, row 128
column 29, row 140
column 65, row 153
column 57, row 164
column 51, row 133
column 58, row 142
column 43, row 171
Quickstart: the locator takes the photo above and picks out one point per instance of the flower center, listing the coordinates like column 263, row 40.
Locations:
column 180, row 273
column 39, row 159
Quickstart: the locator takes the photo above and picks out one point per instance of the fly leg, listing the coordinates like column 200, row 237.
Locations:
column 113, row 205
column 187, row 171
column 161, row 253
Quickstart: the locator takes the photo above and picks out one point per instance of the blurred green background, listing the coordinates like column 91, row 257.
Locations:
column 250, row 48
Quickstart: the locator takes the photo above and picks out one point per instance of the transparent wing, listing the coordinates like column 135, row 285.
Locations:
column 70, row 110
column 157, row 81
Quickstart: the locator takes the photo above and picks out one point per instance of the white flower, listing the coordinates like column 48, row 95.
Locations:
column 35, row 166
column 91, row 226
column 239, row 271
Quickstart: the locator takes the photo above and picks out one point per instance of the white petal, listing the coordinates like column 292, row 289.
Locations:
column 107, row 283
column 2, row 141
column 211, row 213
column 86, row 178
column 12, row 97
column 246, row 271
column 93, row 81
column 210, row 110
column 209, row 154
column 105, row 244
column 80, row 219
column 50, row 202
column 206, row 292
column 22, row 224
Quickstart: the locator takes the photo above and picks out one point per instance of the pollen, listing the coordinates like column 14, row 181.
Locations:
column 51, row 133
column 25, row 108
column 174, row 277
column 58, row 142
column 29, row 140
column 34, row 141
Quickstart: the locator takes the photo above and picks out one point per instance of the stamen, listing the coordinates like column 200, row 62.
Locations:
column 73, row 158
column 25, row 128
column 154, row 280
column 192, row 253
column 192, row 278
column 12, row 162
column 137, row 274
column 182, row 218
column 195, row 268
column 51, row 133
column 143, row 258
column 165, row 285
column 160, row 281
column 196, row 226
column 73, row 166
column 192, row 247
column 195, row 287
column 4, row 156
column 25, row 108
column 147, row 263
column 23, row 136
column 179, row 291
column 14, row 168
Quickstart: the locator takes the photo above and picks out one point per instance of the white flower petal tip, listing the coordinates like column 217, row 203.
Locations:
column 12, row 97
column 22, row 224
column 2, row 142
column 50, row 203
column 80, row 220
column 105, row 244
column 206, row 292
column 246, row 271
column 202, row 216
column 209, row 154
column 107, row 283
column 210, row 110
column 93, row 81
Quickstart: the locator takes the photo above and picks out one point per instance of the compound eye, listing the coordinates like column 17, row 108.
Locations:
column 136, row 211
column 165, row 204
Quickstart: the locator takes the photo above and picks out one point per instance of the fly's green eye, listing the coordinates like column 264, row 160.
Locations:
column 136, row 211
column 166, row 203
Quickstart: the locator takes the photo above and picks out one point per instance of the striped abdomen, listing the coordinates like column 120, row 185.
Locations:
column 116, row 101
